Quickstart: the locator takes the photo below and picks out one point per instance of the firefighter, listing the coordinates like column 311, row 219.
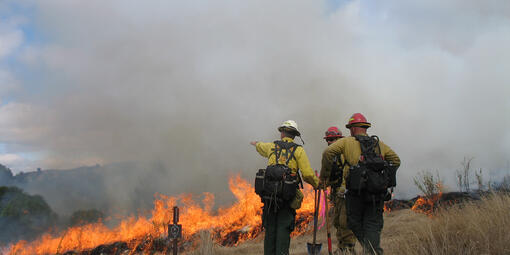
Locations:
column 364, row 209
column 278, row 220
column 345, row 237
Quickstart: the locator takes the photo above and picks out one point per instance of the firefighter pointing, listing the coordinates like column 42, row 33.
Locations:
column 277, row 185
column 370, row 168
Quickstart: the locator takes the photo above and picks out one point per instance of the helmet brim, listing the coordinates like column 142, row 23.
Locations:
column 334, row 136
column 359, row 124
column 289, row 130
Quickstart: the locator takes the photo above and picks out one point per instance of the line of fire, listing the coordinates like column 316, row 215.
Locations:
column 175, row 223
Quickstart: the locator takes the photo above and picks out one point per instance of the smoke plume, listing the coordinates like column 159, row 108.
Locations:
column 188, row 84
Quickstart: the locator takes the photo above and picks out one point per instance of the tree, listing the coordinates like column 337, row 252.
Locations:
column 23, row 216
column 5, row 175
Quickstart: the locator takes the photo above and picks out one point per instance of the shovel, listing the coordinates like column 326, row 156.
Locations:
column 315, row 248
column 330, row 249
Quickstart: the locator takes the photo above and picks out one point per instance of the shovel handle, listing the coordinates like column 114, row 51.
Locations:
column 315, row 217
column 330, row 248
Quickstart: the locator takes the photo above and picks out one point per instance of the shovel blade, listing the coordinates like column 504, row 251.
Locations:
column 314, row 248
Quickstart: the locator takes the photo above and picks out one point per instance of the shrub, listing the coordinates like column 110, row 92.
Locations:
column 428, row 183
column 23, row 216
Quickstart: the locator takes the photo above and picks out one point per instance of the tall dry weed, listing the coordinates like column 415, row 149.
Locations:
column 428, row 183
column 479, row 227
column 206, row 244
column 470, row 228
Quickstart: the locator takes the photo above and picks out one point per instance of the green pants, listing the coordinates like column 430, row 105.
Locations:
column 278, row 226
column 365, row 219
column 344, row 235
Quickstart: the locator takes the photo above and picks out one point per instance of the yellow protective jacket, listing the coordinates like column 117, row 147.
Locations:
column 350, row 149
column 299, row 162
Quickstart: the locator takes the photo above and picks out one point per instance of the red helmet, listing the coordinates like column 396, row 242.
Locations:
column 333, row 132
column 358, row 120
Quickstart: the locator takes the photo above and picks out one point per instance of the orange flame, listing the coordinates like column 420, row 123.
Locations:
column 428, row 204
column 243, row 216
column 387, row 209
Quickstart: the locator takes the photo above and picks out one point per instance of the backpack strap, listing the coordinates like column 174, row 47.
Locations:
column 367, row 145
column 289, row 147
column 341, row 164
column 277, row 152
column 293, row 149
column 347, row 163
column 378, row 146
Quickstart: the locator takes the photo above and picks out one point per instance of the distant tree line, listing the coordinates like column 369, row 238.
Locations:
column 6, row 175
column 25, row 217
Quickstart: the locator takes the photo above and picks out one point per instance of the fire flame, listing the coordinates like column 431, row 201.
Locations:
column 387, row 209
column 387, row 204
column 428, row 204
column 243, row 218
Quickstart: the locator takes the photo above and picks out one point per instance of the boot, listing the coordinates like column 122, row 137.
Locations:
column 346, row 250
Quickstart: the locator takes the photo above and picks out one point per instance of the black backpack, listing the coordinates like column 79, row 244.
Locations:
column 337, row 173
column 277, row 183
column 372, row 173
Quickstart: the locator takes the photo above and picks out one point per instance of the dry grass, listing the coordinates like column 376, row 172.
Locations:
column 473, row 228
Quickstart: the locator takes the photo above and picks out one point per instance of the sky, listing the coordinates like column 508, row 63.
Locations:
column 191, row 83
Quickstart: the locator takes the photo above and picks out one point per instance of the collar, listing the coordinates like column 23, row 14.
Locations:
column 288, row 139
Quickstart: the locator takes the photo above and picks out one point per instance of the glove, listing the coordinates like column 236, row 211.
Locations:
column 340, row 192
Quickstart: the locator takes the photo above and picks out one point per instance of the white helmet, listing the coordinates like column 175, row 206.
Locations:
column 289, row 125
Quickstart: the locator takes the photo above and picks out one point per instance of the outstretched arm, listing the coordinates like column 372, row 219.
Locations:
column 264, row 149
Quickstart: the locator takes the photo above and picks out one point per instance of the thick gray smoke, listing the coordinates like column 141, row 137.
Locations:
column 190, row 83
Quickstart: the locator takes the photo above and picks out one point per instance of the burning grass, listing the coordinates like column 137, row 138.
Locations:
column 471, row 227
column 228, row 226
column 429, row 203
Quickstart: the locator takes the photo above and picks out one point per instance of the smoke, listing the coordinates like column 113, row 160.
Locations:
column 190, row 83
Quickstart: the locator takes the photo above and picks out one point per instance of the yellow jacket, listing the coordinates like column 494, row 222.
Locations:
column 299, row 162
column 350, row 149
